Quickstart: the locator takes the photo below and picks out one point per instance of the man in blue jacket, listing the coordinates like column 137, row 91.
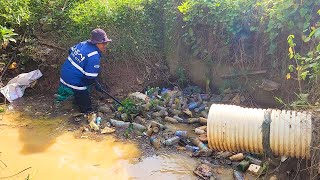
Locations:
column 81, row 70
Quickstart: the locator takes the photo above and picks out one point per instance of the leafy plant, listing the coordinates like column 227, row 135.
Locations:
column 6, row 36
column 308, row 65
column 129, row 107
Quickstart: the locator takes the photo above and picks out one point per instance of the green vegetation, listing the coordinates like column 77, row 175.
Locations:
column 249, row 34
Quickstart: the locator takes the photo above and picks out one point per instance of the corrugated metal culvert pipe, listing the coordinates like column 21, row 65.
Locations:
column 268, row 131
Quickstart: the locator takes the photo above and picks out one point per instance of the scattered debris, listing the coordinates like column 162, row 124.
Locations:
column 204, row 171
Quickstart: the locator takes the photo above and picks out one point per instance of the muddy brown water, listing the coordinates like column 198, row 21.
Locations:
column 54, row 153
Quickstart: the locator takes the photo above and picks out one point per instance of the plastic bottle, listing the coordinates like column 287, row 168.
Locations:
column 193, row 105
column 156, row 124
column 192, row 148
column 98, row 120
column 155, row 142
column 243, row 165
column 204, row 114
column 254, row 160
column 138, row 127
column 199, row 131
column 175, row 111
column 202, row 120
column 140, row 120
column 124, row 116
column 94, row 126
column 200, row 108
column 182, row 134
column 237, row 157
column 238, row 175
column 170, row 119
column 117, row 123
column 199, row 143
column 160, row 108
column 193, row 120
column 172, row 141
column 179, row 119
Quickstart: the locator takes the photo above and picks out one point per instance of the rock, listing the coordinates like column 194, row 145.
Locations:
column 204, row 171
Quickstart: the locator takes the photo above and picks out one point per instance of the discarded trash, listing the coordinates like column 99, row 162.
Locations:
column 193, row 120
column 188, row 112
column 92, row 117
column 192, row 148
column 158, row 125
column 193, row 105
column 140, row 120
column 203, row 137
column 98, row 121
column 160, row 108
column 179, row 119
column 204, row 114
column 202, row 120
column 200, row 108
column 172, row 141
column 253, row 160
column 181, row 134
column 124, row 116
column 204, row 171
column 138, row 127
column 155, row 142
column 223, row 154
column 237, row 157
column 175, row 112
column 255, row 169
column 160, row 113
column 199, row 143
column 238, row 175
column 107, row 130
column 15, row 87
column 170, row 119
column 199, row 131
column 243, row 165
column 94, row 126
column 117, row 123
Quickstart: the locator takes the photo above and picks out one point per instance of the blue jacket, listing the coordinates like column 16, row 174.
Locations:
column 81, row 67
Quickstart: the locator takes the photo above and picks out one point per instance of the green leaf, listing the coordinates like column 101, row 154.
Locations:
column 291, row 67
column 307, row 39
column 303, row 12
column 317, row 33
column 318, row 47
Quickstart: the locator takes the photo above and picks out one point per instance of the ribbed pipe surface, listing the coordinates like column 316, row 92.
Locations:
column 237, row 129
column 290, row 133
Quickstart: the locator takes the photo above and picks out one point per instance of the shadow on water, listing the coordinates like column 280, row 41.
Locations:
column 37, row 135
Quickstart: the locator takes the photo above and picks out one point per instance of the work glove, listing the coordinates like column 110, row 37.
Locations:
column 98, row 87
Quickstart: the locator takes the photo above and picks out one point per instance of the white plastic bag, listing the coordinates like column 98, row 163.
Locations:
column 16, row 86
